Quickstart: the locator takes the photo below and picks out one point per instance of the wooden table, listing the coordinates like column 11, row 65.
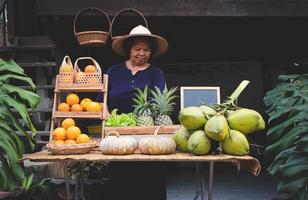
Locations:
column 248, row 162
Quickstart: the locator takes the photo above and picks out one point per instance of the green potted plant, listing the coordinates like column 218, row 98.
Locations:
column 287, row 149
column 13, row 180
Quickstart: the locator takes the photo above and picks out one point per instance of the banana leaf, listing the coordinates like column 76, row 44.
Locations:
column 294, row 168
column 11, row 66
column 21, row 109
column 6, row 138
column 29, row 97
column 3, row 179
column 12, row 159
column 285, row 142
column 292, row 183
column 287, row 107
column 6, row 114
column 18, row 144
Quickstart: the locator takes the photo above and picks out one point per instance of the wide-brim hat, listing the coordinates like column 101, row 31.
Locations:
column 161, row 43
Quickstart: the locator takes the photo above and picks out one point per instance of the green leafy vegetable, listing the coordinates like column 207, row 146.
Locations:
column 122, row 120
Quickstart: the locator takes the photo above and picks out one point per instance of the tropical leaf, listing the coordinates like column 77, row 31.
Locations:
column 29, row 97
column 11, row 66
column 287, row 107
column 21, row 109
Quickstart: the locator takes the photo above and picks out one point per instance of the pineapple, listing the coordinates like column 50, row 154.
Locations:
column 162, row 102
column 143, row 109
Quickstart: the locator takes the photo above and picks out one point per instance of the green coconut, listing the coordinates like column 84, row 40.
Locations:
column 192, row 118
column 236, row 143
column 181, row 137
column 217, row 128
column 199, row 143
column 208, row 111
column 245, row 120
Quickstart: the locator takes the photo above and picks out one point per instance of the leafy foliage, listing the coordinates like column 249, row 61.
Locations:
column 122, row 120
column 287, row 107
column 13, row 98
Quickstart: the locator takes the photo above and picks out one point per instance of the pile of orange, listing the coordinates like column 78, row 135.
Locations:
column 68, row 133
column 74, row 104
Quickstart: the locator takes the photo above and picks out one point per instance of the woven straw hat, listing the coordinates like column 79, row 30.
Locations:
column 161, row 43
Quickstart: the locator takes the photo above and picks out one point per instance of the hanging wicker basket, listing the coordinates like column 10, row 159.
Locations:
column 66, row 77
column 114, row 37
column 86, row 78
column 91, row 38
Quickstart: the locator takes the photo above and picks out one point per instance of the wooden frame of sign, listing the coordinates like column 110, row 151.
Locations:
column 196, row 96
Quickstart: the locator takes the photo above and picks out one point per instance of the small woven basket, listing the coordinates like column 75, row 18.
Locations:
column 95, row 38
column 69, row 149
column 83, row 78
column 66, row 77
column 113, row 37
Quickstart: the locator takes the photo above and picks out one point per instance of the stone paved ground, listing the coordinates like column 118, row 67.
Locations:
column 228, row 184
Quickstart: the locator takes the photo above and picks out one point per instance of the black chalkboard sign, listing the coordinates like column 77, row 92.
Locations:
column 196, row 96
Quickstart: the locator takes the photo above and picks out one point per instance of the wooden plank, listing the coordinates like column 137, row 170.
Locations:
column 84, row 114
column 141, row 130
column 46, row 156
column 38, row 64
column 180, row 7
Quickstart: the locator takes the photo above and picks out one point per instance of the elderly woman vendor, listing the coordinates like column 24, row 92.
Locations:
column 136, row 180
column 136, row 72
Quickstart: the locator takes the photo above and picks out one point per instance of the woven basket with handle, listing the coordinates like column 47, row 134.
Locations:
column 83, row 78
column 66, row 77
column 94, row 37
column 114, row 37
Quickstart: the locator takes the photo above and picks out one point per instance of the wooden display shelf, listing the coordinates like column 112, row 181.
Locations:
column 87, row 115
column 142, row 130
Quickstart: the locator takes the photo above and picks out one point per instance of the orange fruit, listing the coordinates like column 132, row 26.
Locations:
column 58, row 142
column 69, row 141
column 90, row 69
column 82, row 138
column 68, row 122
column 66, row 68
column 79, row 77
column 64, row 107
column 84, row 102
column 72, row 99
column 59, row 134
column 94, row 107
column 72, row 132
column 76, row 108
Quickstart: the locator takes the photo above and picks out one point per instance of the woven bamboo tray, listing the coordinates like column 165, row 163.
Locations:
column 69, row 149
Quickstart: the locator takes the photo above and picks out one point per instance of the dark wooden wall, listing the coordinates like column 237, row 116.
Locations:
column 211, row 43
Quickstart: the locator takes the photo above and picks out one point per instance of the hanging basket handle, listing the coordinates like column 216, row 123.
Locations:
column 76, row 68
column 127, row 10
column 87, row 9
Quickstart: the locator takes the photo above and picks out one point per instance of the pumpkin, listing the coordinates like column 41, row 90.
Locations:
column 156, row 145
column 117, row 145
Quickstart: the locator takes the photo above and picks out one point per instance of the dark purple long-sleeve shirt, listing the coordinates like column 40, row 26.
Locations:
column 122, row 84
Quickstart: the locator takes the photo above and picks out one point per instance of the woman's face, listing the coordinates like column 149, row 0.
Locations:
column 140, row 52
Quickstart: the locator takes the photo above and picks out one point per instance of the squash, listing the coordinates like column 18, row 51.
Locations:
column 156, row 145
column 117, row 145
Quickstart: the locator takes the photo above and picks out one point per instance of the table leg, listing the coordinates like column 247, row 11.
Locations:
column 210, row 185
column 82, row 180
column 76, row 188
column 199, row 182
column 67, row 185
